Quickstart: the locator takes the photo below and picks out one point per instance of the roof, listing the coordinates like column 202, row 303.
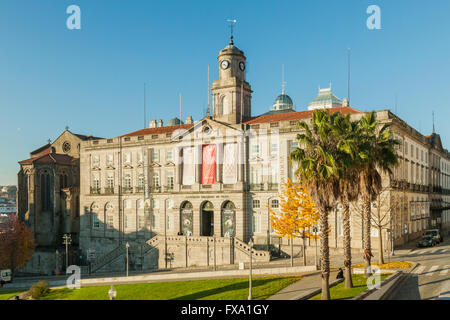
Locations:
column 49, row 159
column 325, row 96
column 84, row 137
column 158, row 130
column 299, row 115
column 41, row 149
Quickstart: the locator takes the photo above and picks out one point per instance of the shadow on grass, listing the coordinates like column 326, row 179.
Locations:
column 232, row 287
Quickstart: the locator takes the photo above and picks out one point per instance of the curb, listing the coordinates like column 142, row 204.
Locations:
column 389, row 293
column 388, row 286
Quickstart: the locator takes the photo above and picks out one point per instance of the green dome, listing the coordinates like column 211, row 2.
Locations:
column 174, row 122
column 283, row 102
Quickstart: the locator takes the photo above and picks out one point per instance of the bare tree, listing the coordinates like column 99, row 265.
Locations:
column 383, row 211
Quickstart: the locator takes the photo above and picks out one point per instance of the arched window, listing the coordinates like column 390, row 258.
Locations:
column 187, row 218
column 45, row 191
column 228, row 219
column 225, row 105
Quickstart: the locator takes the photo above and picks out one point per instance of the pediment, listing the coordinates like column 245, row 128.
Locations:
column 206, row 130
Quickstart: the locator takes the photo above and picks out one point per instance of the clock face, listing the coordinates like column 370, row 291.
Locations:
column 225, row 64
column 242, row 65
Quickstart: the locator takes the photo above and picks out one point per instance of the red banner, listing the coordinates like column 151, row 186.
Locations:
column 209, row 164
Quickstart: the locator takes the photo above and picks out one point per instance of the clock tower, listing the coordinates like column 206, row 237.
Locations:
column 232, row 95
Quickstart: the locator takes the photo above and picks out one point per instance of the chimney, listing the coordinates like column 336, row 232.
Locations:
column 345, row 103
column 152, row 124
column 189, row 120
column 160, row 123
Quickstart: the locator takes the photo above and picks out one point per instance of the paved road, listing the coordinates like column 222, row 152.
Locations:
column 431, row 278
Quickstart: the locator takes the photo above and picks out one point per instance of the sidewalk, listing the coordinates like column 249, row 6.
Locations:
column 303, row 287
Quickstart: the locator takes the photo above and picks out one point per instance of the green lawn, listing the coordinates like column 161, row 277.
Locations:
column 339, row 292
column 217, row 289
column 6, row 294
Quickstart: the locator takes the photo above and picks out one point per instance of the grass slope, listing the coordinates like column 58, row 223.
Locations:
column 5, row 295
column 339, row 292
column 216, row 289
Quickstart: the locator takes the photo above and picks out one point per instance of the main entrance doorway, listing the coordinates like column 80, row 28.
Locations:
column 207, row 219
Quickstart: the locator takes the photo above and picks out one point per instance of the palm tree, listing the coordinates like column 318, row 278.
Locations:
column 349, row 132
column 377, row 152
column 319, row 172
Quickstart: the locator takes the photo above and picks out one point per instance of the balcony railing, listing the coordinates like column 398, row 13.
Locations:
column 95, row 190
column 273, row 186
column 257, row 186
column 140, row 189
column 109, row 190
column 168, row 188
column 127, row 190
column 155, row 189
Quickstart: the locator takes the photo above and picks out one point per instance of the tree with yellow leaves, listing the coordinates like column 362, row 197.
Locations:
column 296, row 216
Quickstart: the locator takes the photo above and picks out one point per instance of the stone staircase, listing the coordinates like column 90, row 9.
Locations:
column 107, row 258
column 258, row 255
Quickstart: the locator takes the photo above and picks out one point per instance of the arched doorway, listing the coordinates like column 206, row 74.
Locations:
column 207, row 219
column 187, row 218
column 228, row 219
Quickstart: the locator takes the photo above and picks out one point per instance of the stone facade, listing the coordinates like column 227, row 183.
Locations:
column 155, row 189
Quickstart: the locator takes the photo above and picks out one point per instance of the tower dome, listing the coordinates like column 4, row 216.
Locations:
column 283, row 102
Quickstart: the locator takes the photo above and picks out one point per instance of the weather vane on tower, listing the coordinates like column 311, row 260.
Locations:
column 232, row 22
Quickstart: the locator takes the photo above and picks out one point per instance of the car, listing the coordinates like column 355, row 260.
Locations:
column 5, row 276
column 427, row 241
column 435, row 234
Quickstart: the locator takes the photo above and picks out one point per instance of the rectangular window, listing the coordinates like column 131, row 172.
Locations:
column 96, row 182
column 95, row 161
column 170, row 179
column 128, row 218
column 127, row 204
column 169, row 222
column 274, row 148
column 95, row 221
column 274, row 204
column 155, row 204
column 110, row 221
column 256, row 223
column 155, row 179
column 139, row 157
column 127, row 181
column 255, row 177
column 155, row 156
column 255, row 204
column 255, row 149
column 406, row 148
column 110, row 180
column 109, row 159
column 169, row 155
column 155, row 221
column 141, row 221
column 127, row 158
column 293, row 145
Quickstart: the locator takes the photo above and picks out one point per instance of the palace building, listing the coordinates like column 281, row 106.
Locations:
column 189, row 194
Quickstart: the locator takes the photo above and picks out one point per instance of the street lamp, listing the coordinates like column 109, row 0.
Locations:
column 315, row 240
column 67, row 239
column 112, row 293
column 250, row 297
column 127, row 246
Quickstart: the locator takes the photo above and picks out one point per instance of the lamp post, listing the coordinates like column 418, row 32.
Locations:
column 315, row 240
column 127, row 246
column 250, row 297
column 112, row 293
column 67, row 239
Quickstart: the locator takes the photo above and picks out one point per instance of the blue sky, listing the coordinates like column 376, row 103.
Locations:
column 92, row 79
